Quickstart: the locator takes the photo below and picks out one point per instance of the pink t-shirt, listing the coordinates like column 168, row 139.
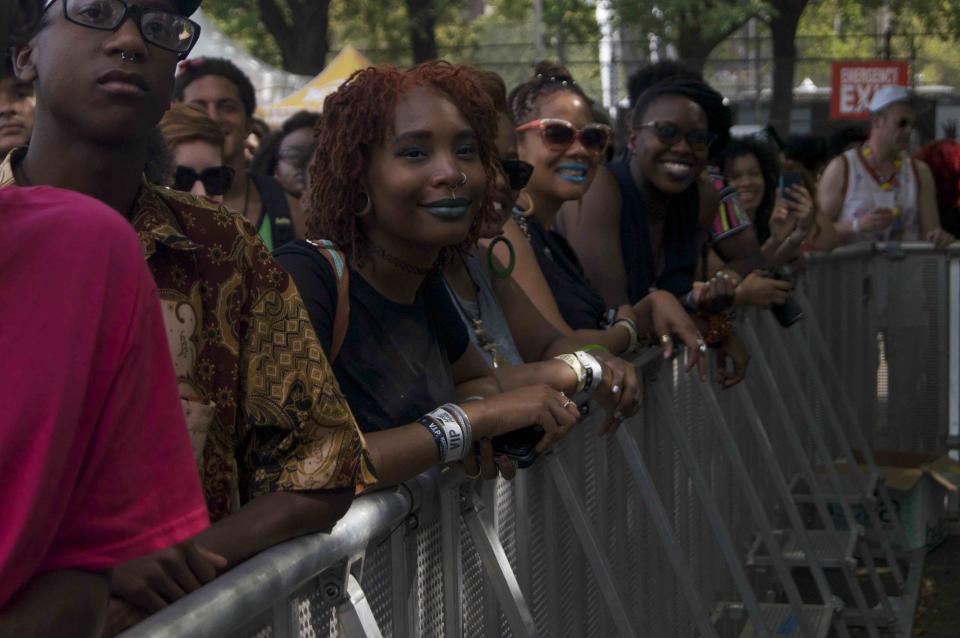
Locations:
column 95, row 460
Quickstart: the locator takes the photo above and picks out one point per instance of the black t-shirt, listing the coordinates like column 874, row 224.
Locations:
column 395, row 362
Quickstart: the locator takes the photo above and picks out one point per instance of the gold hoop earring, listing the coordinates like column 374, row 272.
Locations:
column 527, row 210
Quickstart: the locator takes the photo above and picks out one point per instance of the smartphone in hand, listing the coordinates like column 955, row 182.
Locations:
column 787, row 180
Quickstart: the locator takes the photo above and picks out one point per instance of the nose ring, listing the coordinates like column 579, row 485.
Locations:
column 462, row 182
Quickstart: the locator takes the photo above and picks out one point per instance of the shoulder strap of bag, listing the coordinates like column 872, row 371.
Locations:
column 341, row 318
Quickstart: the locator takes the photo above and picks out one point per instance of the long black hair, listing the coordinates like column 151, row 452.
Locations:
column 770, row 169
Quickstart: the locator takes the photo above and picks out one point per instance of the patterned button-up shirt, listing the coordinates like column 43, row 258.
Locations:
column 263, row 406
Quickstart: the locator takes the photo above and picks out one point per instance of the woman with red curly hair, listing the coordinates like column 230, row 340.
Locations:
column 399, row 184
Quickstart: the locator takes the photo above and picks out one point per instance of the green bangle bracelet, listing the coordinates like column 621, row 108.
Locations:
column 590, row 347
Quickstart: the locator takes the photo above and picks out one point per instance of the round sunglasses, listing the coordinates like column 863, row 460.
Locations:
column 517, row 171
column 216, row 179
column 560, row 134
column 669, row 134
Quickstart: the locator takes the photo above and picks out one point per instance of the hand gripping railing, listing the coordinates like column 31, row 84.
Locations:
column 641, row 534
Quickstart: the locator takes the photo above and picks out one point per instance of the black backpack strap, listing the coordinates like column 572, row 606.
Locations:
column 275, row 207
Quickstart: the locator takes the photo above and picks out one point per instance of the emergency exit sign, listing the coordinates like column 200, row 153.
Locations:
column 855, row 82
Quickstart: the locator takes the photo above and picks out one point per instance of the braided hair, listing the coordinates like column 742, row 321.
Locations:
column 548, row 78
column 356, row 121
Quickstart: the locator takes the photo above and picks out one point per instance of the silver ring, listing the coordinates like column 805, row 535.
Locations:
column 567, row 404
column 615, row 389
column 664, row 339
column 463, row 179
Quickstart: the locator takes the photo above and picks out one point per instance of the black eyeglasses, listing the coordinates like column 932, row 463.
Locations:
column 164, row 29
column 518, row 172
column 216, row 180
column 669, row 134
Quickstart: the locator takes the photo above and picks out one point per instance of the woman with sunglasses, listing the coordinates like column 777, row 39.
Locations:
column 197, row 146
column 558, row 137
column 504, row 324
column 399, row 184
column 644, row 223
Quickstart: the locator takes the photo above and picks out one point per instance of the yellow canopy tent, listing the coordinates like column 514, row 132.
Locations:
column 310, row 97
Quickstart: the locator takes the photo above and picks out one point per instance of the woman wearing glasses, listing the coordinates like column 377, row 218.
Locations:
column 503, row 322
column 643, row 224
column 558, row 137
column 197, row 146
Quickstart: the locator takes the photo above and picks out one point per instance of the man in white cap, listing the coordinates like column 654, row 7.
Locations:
column 876, row 192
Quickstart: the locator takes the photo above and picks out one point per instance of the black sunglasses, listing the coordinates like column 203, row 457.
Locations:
column 518, row 172
column 216, row 180
column 669, row 134
column 164, row 29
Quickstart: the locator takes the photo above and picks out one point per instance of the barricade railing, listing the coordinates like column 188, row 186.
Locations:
column 611, row 536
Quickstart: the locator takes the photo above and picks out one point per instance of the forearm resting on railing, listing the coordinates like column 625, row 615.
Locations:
column 65, row 603
column 273, row 518
column 401, row 453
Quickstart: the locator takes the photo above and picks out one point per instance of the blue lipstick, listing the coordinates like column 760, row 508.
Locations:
column 451, row 208
column 575, row 173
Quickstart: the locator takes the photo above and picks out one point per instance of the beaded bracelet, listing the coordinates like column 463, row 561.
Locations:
column 720, row 327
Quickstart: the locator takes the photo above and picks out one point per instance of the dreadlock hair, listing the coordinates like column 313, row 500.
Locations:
column 357, row 119
column 548, row 78
column 194, row 69
column 719, row 115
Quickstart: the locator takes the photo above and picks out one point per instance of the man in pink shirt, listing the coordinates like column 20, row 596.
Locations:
column 96, row 459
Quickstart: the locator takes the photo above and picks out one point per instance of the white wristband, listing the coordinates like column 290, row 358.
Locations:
column 464, row 422
column 856, row 225
column 578, row 368
column 587, row 360
column 456, row 448
column 631, row 329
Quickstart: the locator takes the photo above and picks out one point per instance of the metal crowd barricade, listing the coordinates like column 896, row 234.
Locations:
column 645, row 533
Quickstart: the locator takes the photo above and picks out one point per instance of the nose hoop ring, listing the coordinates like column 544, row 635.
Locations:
column 459, row 184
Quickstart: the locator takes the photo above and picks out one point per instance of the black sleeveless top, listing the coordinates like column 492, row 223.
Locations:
column 681, row 233
column 275, row 211
column 582, row 307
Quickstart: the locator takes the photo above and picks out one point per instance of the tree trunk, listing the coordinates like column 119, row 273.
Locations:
column 302, row 39
column 783, row 32
column 422, row 16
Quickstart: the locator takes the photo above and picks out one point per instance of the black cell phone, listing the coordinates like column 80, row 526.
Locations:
column 787, row 180
column 519, row 446
column 790, row 312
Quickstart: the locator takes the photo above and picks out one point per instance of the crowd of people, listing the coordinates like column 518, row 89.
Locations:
column 433, row 271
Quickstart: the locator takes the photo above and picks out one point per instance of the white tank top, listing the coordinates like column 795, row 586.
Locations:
column 864, row 193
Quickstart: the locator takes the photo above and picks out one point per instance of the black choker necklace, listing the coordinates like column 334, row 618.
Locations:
column 398, row 263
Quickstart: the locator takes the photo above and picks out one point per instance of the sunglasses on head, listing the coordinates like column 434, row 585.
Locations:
column 216, row 180
column 518, row 172
column 561, row 134
column 669, row 134
column 164, row 29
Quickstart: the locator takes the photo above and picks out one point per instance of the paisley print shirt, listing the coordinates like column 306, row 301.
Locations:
column 264, row 409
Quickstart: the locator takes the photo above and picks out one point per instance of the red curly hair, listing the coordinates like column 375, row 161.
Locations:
column 357, row 119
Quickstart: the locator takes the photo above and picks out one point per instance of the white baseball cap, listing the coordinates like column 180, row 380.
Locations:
column 887, row 95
